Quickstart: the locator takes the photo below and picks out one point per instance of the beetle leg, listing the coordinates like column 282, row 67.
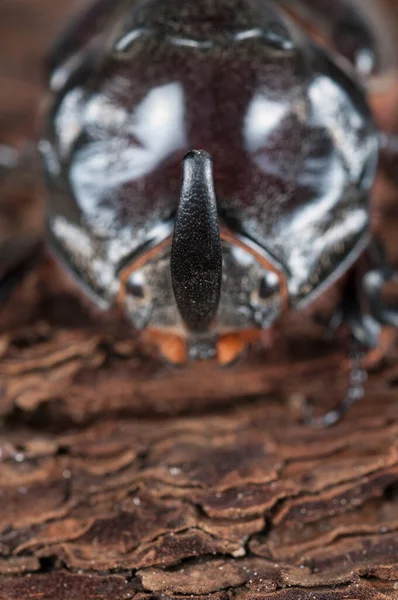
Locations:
column 381, row 313
column 373, row 332
column 355, row 391
column 10, row 279
column 362, row 335
column 376, row 322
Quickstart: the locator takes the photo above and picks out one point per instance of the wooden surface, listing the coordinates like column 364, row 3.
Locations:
column 122, row 478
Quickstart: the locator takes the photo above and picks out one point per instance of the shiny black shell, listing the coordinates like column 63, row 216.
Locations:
column 290, row 134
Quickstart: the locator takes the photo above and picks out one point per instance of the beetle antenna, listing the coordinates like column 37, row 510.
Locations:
column 196, row 253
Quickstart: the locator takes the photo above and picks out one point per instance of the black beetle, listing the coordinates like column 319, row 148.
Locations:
column 278, row 149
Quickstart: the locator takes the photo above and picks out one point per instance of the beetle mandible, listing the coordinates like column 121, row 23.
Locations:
column 276, row 147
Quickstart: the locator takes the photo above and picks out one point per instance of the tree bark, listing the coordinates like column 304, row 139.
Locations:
column 121, row 477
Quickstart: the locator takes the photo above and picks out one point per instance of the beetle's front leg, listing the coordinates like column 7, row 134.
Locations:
column 381, row 314
column 373, row 324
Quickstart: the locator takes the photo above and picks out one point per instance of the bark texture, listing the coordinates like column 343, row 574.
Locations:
column 121, row 477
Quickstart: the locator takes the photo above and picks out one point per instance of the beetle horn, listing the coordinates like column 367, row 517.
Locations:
column 196, row 253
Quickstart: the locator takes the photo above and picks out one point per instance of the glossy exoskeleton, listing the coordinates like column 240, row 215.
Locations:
column 269, row 129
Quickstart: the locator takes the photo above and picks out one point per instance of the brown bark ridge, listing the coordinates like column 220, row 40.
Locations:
column 121, row 477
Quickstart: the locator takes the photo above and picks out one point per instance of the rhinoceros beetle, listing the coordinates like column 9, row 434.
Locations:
column 260, row 108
